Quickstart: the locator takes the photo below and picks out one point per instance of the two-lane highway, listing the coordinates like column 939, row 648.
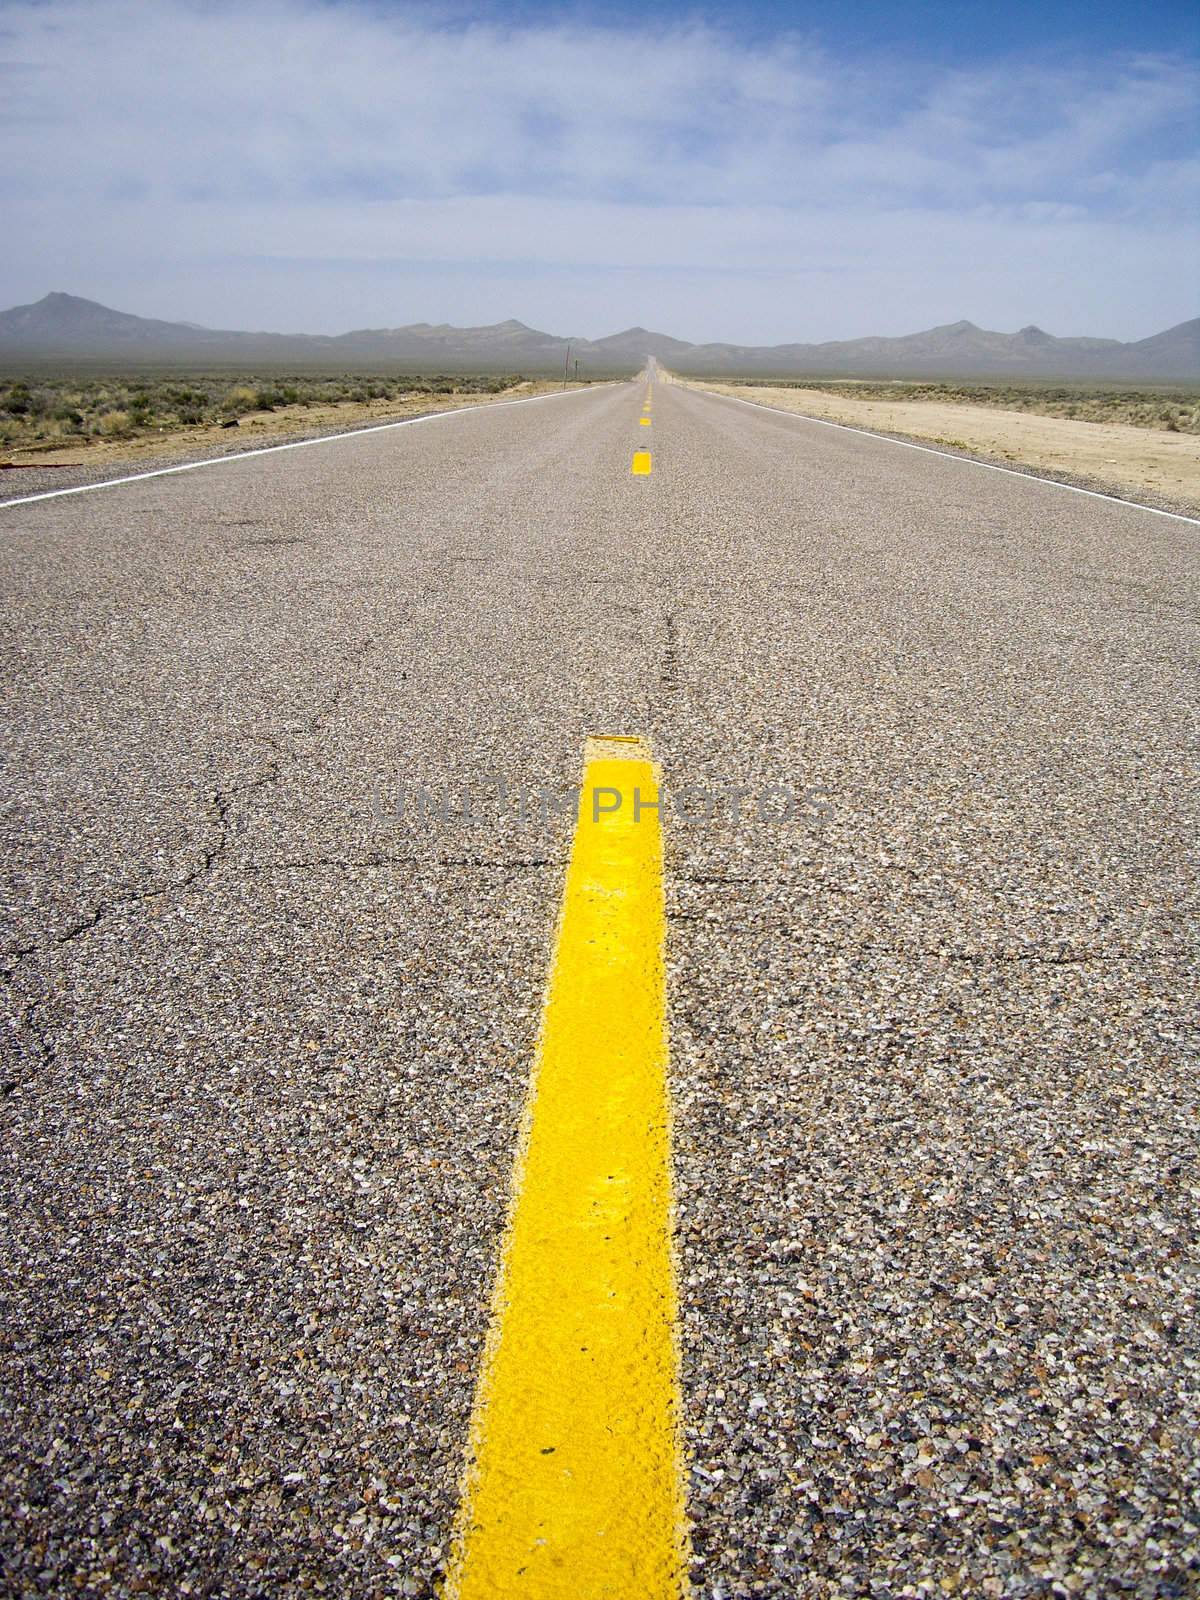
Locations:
column 288, row 746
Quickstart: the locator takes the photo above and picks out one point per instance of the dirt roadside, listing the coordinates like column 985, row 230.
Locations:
column 1146, row 464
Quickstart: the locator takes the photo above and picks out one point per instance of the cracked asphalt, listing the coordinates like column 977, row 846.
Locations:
column 267, row 1038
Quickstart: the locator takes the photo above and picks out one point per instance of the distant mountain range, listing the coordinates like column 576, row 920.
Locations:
column 63, row 327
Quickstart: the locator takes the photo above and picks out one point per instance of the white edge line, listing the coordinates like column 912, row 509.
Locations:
column 947, row 455
column 297, row 444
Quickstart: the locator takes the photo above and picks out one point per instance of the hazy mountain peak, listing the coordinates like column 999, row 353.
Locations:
column 59, row 303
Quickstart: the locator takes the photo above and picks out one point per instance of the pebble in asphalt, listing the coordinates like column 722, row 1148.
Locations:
column 933, row 1039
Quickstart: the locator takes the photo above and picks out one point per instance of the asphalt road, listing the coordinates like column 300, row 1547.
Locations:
column 933, row 1037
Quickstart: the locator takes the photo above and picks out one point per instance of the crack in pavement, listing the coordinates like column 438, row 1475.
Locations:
column 220, row 804
column 347, row 864
column 669, row 673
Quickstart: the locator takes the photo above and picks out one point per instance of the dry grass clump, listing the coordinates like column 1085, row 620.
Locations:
column 240, row 399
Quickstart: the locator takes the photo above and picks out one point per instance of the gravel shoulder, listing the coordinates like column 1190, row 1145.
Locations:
column 1145, row 464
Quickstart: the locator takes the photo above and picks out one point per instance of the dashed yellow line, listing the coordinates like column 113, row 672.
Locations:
column 645, row 421
column 641, row 464
column 573, row 1485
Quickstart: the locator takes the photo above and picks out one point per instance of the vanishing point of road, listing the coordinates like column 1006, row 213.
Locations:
column 775, row 1176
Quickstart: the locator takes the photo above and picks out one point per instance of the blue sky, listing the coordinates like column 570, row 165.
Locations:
column 760, row 173
column 955, row 31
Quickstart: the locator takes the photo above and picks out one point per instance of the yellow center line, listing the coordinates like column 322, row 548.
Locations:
column 645, row 421
column 641, row 464
column 573, row 1487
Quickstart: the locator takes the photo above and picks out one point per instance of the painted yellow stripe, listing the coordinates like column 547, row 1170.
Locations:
column 645, row 421
column 573, row 1485
column 641, row 464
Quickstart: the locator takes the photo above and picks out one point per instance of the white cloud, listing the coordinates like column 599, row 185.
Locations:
column 294, row 164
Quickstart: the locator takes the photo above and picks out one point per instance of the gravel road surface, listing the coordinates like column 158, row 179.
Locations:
column 266, row 1039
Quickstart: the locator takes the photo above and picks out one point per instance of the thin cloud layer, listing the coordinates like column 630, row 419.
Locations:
column 322, row 166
